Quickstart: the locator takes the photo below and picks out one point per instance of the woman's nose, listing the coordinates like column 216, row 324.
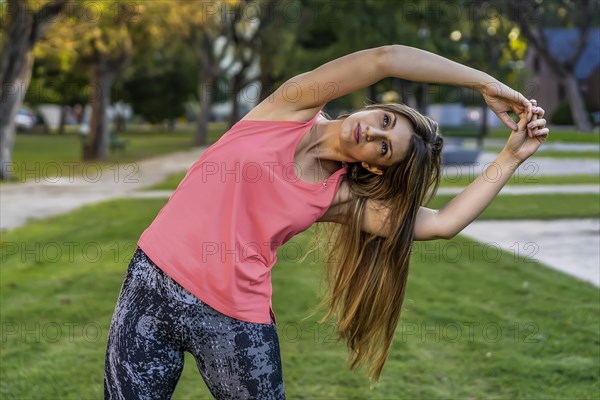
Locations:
column 373, row 133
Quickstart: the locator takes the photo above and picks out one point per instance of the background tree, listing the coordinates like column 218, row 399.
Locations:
column 205, row 28
column 245, row 31
column 532, row 16
column 490, row 42
column 98, row 32
column 161, row 76
column 322, row 32
column 58, row 77
column 278, row 43
column 338, row 28
column 159, row 92
column 106, row 47
column 23, row 23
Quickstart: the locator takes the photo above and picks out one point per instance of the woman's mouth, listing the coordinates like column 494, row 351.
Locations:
column 357, row 133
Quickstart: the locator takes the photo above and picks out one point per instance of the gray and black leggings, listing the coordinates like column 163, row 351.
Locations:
column 156, row 321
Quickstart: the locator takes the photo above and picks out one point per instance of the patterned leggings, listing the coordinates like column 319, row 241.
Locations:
column 156, row 320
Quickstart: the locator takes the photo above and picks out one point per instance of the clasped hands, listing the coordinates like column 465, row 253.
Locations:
column 529, row 132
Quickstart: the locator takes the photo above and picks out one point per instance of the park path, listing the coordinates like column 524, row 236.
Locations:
column 570, row 246
column 46, row 196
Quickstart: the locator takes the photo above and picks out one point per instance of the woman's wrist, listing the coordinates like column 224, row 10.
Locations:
column 485, row 81
column 507, row 159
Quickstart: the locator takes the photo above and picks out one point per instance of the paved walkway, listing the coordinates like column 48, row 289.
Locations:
column 568, row 245
column 549, row 145
column 20, row 202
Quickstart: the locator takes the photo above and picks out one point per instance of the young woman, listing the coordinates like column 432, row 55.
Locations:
column 199, row 280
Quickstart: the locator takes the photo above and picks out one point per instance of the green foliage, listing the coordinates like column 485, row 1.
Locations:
column 159, row 83
column 51, row 83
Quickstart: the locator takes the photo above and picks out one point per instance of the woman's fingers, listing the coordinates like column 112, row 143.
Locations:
column 507, row 120
column 533, row 127
column 536, row 128
column 531, row 109
column 541, row 132
column 522, row 101
column 539, row 111
column 534, row 117
column 538, row 123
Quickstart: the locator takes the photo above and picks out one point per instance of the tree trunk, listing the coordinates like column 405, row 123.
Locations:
column 171, row 124
column 205, row 109
column 267, row 85
column 235, row 104
column 12, row 94
column 423, row 99
column 407, row 93
column 15, row 74
column 120, row 123
column 577, row 103
column 22, row 29
column 96, row 147
column 373, row 93
column 235, row 111
column 63, row 119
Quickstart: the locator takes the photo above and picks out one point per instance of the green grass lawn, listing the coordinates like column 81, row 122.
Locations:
column 168, row 184
column 455, row 179
column 46, row 157
column 473, row 327
column 567, row 154
column 542, row 152
column 535, row 206
column 557, row 134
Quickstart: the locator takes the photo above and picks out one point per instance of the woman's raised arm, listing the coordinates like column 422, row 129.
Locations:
column 363, row 68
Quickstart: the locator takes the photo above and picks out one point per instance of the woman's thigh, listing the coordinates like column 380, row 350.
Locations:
column 237, row 359
column 144, row 358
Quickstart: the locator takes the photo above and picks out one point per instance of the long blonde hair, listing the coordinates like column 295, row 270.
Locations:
column 367, row 280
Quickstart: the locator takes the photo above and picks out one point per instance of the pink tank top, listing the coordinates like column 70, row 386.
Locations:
column 218, row 234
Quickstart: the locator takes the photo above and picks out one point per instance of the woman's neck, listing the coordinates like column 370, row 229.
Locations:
column 325, row 142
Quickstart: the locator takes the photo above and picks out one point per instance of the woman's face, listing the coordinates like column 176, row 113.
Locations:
column 377, row 138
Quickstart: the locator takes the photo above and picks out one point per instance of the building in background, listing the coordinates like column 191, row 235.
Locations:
column 562, row 42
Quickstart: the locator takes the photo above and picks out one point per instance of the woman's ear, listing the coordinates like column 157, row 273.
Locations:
column 375, row 170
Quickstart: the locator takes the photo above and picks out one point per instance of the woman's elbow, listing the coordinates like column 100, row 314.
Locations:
column 447, row 233
column 384, row 58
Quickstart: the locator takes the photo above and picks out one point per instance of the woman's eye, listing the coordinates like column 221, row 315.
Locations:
column 386, row 118
column 384, row 146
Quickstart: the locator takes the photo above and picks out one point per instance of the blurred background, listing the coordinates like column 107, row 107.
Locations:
column 102, row 70
column 105, row 104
